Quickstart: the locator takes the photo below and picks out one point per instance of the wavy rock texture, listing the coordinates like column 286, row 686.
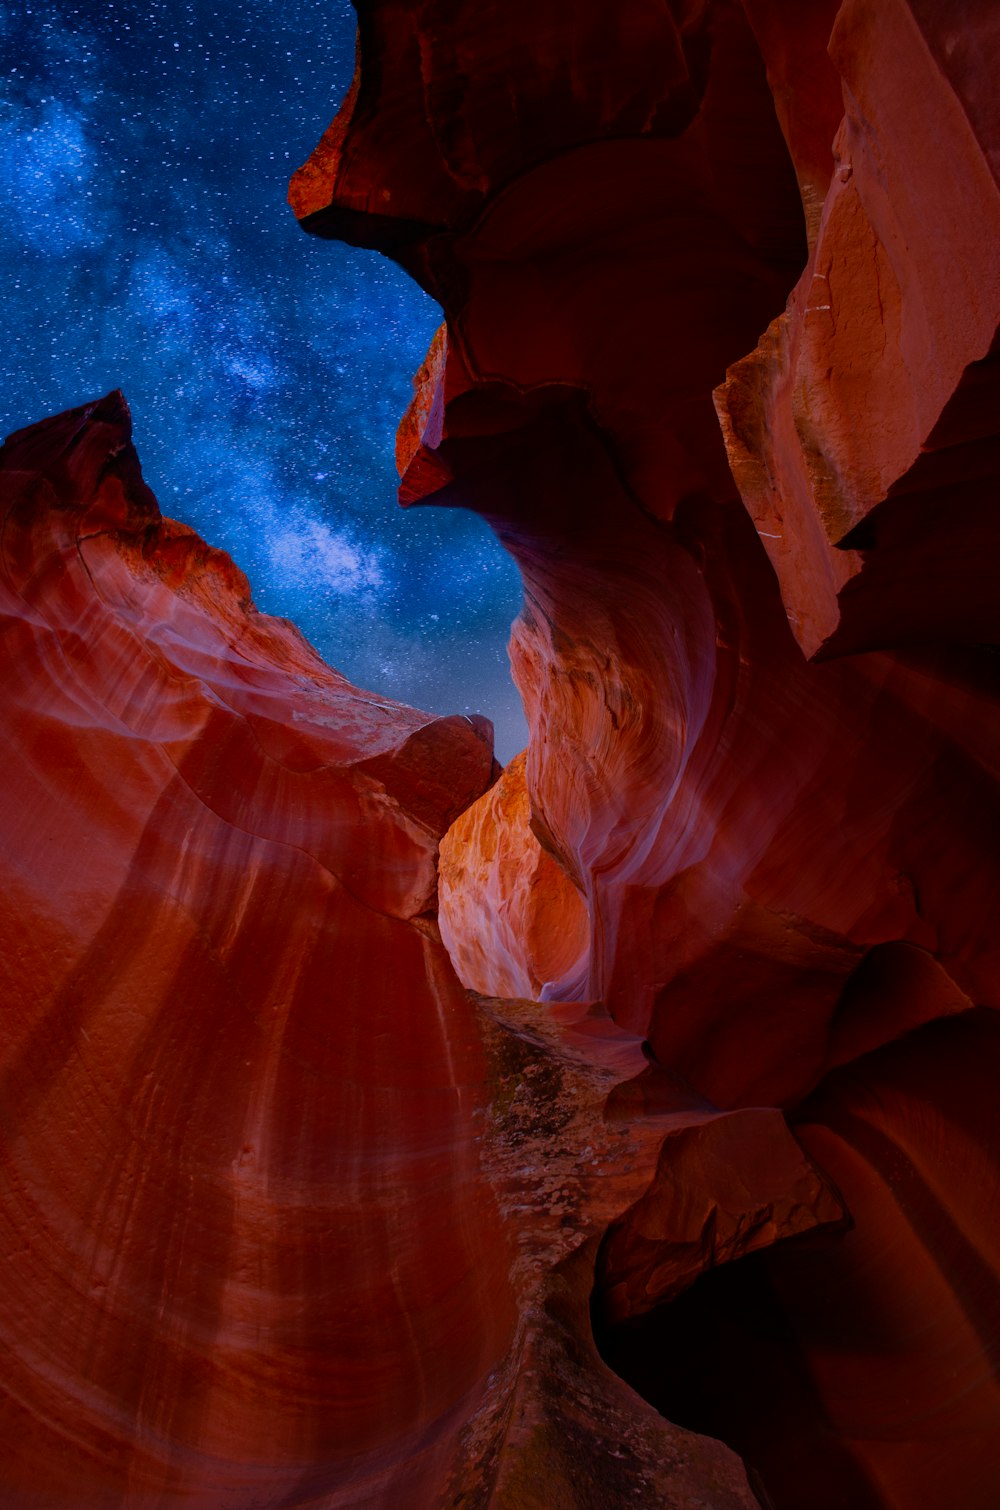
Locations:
column 279, row 1206
column 757, row 655
column 289, row 1218
column 223, row 1024
column 538, row 932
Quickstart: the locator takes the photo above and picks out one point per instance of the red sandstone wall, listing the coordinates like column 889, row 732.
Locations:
column 756, row 650
column 534, row 941
column 279, row 1204
column 290, row 1219
column 222, row 1023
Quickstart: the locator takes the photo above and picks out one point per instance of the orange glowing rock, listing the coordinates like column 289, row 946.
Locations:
column 511, row 919
column 270, row 1227
column 289, row 1217
column 231, row 1051
column 756, row 656
column 862, row 430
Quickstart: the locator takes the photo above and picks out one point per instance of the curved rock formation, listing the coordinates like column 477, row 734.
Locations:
column 224, row 1021
column 288, row 1217
column 538, row 932
column 862, row 431
column 757, row 655
column 270, row 1226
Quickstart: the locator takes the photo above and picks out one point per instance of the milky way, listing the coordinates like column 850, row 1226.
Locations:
column 145, row 152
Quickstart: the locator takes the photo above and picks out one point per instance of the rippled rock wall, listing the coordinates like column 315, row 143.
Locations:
column 758, row 656
column 686, row 1145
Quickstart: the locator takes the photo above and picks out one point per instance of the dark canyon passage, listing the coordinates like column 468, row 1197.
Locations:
column 619, row 1128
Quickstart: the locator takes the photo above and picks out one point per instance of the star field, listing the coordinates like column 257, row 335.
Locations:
column 145, row 152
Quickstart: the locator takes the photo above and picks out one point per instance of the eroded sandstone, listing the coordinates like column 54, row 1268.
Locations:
column 760, row 681
column 278, row 1201
column 289, row 1217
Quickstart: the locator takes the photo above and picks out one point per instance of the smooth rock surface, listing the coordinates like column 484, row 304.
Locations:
column 758, row 646
column 532, row 933
column 281, row 1207
column 239, row 1265
column 289, row 1218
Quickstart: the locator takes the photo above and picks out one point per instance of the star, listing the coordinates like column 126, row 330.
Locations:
column 144, row 163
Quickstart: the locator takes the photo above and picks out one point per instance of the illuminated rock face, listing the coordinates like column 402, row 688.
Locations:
column 862, row 431
column 224, row 1020
column 280, row 1206
column 291, row 1219
column 511, row 919
column 721, row 373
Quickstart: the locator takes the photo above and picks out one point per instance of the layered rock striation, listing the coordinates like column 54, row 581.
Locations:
column 233, row 1053
column 301, row 1207
column 284, row 1214
column 718, row 366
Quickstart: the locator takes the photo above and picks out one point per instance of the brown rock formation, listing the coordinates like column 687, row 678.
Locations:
column 215, row 851
column 288, row 1217
column 275, row 1228
column 533, row 942
column 762, row 701
column 860, row 430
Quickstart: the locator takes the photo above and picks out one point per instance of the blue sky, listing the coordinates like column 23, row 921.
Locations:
column 145, row 152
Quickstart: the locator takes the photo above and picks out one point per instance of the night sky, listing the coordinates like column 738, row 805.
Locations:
column 145, row 152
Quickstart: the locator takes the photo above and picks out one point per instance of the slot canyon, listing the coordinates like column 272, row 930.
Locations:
column 384, row 1128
